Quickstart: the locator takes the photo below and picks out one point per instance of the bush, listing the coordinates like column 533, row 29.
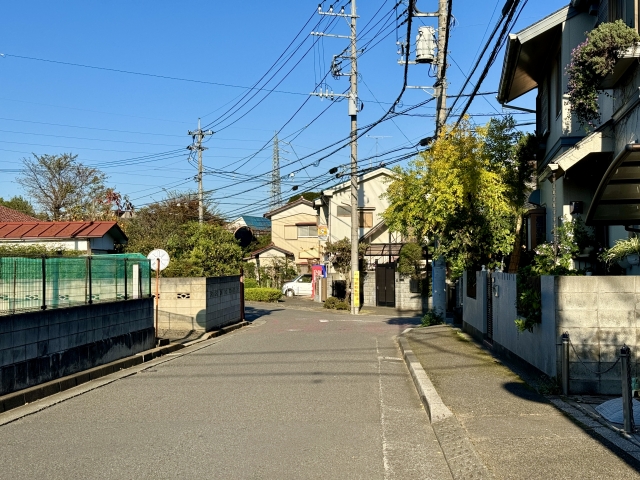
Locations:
column 432, row 317
column 262, row 294
column 342, row 306
column 250, row 283
column 331, row 303
column 334, row 303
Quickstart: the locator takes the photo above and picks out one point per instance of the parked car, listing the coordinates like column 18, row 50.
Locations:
column 301, row 285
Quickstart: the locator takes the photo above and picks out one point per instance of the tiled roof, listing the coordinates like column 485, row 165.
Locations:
column 257, row 223
column 50, row 230
column 287, row 206
column 271, row 246
column 11, row 215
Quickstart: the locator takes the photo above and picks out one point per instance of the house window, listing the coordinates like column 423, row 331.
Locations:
column 366, row 219
column 344, row 211
column 307, row 231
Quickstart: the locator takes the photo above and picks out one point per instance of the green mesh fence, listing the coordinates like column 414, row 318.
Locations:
column 34, row 283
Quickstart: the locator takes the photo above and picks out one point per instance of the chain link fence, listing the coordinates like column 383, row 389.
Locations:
column 39, row 283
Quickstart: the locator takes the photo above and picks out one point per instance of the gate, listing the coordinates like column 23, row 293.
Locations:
column 386, row 285
column 489, row 307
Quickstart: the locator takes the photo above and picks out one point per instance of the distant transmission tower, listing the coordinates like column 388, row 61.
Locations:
column 276, row 192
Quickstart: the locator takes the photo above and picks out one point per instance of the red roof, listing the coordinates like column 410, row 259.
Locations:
column 11, row 215
column 26, row 230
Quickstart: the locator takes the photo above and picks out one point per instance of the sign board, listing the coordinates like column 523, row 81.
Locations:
column 323, row 232
column 355, row 297
column 158, row 254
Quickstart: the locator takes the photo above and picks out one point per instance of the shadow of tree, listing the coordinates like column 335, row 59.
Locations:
column 253, row 313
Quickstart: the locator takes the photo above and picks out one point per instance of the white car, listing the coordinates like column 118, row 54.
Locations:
column 301, row 285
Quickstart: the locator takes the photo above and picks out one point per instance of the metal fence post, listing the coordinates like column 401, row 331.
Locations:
column 126, row 296
column 44, row 283
column 565, row 363
column 90, row 301
column 627, row 401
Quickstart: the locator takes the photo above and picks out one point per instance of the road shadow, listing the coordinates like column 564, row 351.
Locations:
column 524, row 391
column 412, row 321
column 253, row 313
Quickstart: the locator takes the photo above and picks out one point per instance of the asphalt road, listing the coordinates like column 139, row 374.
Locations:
column 298, row 394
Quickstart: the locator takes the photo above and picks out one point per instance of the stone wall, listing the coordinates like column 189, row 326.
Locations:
column 36, row 347
column 198, row 303
column 601, row 315
column 369, row 288
column 405, row 300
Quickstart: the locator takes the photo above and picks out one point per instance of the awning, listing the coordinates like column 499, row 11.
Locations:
column 383, row 249
column 617, row 199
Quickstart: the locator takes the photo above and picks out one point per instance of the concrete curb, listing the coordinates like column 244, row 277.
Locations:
column 432, row 402
column 462, row 459
column 37, row 392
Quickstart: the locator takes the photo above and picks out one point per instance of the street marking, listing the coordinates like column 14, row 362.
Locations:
column 395, row 359
column 385, row 459
column 324, row 321
column 294, row 330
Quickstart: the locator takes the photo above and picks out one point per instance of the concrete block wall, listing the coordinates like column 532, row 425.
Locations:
column 600, row 313
column 223, row 301
column 405, row 300
column 474, row 310
column 198, row 303
column 369, row 289
column 36, row 347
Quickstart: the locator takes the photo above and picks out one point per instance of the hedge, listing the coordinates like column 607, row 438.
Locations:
column 262, row 294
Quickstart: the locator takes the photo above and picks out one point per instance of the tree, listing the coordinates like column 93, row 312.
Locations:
column 206, row 250
column 61, row 186
column 153, row 225
column 340, row 257
column 19, row 204
column 458, row 192
column 311, row 196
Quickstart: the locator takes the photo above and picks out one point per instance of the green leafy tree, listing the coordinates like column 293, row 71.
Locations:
column 457, row 191
column 62, row 187
column 206, row 250
column 340, row 257
column 152, row 226
column 311, row 196
column 19, row 204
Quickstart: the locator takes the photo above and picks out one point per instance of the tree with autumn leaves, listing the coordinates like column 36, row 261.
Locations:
column 467, row 191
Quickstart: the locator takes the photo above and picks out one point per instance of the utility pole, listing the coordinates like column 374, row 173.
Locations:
column 198, row 136
column 441, row 82
column 353, row 114
column 439, row 266
column 276, row 191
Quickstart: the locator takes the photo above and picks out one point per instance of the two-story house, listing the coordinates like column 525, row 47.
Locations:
column 294, row 229
column 572, row 164
column 383, row 247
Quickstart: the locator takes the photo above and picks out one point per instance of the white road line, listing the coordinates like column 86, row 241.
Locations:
column 385, row 459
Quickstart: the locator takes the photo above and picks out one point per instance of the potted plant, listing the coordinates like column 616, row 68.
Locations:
column 626, row 252
column 591, row 62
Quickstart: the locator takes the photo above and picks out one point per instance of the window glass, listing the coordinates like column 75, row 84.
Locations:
column 307, row 231
column 305, row 279
column 344, row 211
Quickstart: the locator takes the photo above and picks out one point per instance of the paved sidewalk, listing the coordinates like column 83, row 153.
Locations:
column 501, row 422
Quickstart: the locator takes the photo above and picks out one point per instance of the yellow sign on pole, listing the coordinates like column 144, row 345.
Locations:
column 355, row 297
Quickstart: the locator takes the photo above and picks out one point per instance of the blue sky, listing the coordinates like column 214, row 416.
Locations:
column 113, row 120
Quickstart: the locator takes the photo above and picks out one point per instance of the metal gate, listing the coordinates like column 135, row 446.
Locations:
column 386, row 285
column 489, row 307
